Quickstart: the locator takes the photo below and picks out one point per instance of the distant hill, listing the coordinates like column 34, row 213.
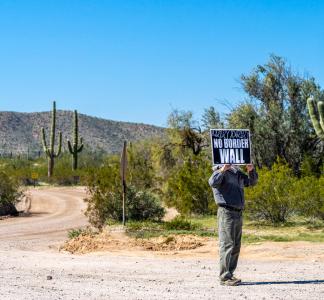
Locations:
column 20, row 132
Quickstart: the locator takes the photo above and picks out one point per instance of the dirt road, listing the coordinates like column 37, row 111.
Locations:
column 32, row 268
column 53, row 212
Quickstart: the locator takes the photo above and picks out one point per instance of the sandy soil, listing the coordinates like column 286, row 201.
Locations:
column 33, row 268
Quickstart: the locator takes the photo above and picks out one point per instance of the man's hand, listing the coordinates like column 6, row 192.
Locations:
column 226, row 167
column 215, row 168
column 249, row 167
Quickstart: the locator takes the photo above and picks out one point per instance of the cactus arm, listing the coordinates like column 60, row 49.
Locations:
column 70, row 146
column 44, row 140
column 320, row 106
column 76, row 128
column 81, row 145
column 80, row 148
column 59, row 149
column 53, row 127
column 312, row 112
column 46, row 150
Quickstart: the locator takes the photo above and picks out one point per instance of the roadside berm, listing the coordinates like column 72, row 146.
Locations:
column 114, row 241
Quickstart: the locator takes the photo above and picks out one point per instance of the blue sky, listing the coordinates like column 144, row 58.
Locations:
column 138, row 60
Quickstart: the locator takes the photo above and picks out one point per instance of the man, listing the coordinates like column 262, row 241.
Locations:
column 228, row 184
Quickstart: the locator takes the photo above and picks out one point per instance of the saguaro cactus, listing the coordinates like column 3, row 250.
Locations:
column 317, row 119
column 49, row 151
column 75, row 148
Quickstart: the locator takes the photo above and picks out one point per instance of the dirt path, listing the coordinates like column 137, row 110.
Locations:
column 54, row 211
column 28, row 255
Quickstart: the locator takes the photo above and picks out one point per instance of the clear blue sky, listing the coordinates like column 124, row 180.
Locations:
column 136, row 60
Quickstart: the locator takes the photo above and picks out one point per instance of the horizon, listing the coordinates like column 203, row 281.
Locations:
column 137, row 61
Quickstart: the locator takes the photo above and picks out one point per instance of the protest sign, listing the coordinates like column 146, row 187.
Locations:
column 231, row 146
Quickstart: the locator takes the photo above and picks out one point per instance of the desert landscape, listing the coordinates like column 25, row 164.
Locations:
column 34, row 267
column 161, row 150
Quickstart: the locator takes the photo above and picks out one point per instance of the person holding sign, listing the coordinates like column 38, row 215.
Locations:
column 228, row 184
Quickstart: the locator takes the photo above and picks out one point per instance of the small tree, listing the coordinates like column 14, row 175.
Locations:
column 185, row 133
column 277, row 115
column 211, row 119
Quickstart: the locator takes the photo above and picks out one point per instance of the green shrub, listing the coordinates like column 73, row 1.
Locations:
column 73, row 233
column 143, row 205
column 106, row 206
column 187, row 187
column 309, row 193
column 273, row 198
column 180, row 223
column 10, row 194
column 105, row 197
column 140, row 171
column 279, row 194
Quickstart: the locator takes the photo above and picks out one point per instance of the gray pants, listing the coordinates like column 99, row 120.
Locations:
column 230, row 233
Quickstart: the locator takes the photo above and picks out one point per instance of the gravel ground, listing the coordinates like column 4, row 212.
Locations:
column 24, row 276
column 32, row 268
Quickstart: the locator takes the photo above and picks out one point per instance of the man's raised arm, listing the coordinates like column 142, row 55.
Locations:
column 217, row 177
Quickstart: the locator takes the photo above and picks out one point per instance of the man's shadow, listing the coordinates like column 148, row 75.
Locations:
column 283, row 282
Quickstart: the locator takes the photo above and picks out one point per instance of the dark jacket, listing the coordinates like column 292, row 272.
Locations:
column 228, row 187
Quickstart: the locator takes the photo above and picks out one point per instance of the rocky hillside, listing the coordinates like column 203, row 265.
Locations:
column 20, row 132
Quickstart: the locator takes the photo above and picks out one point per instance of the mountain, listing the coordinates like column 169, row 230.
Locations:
column 20, row 132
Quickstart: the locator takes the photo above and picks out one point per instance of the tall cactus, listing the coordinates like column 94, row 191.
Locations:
column 49, row 151
column 74, row 148
column 318, row 121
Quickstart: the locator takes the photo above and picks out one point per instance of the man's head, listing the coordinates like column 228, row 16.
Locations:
column 235, row 168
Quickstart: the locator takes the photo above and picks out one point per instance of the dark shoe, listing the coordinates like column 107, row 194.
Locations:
column 229, row 282
column 236, row 279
